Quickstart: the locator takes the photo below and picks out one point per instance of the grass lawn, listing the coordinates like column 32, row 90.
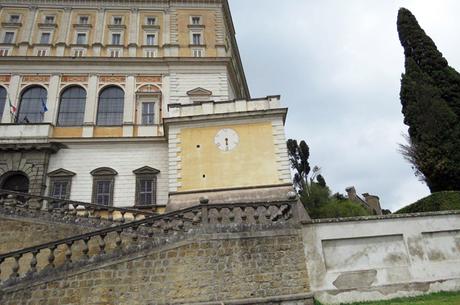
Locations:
column 441, row 298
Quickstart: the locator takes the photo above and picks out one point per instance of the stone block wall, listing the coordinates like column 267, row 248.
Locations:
column 206, row 268
column 22, row 233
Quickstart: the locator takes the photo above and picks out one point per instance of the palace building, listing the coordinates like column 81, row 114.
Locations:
column 133, row 103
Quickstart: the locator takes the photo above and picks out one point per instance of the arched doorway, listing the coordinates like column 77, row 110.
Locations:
column 15, row 181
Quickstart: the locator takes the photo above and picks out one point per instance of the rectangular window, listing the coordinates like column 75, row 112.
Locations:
column 117, row 20
column 151, row 20
column 9, row 36
column 41, row 52
column 197, row 52
column 150, row 39
column 59, row 189
column 14, row 18
column 148, row 113
column 4, row 52
column 78, row 53
column 150, row 53
column 146, row 191
column 116, row 39
column 81, row 38
column 45, row 38
column 196, row 20
column 83, row 20
column 103, row 192
column 196, row 39
column 49, row 19
column 114, row 53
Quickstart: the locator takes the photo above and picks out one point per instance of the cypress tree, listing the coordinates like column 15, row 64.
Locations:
column 430, row 98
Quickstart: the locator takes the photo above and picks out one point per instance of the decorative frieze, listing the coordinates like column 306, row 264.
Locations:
column 36, row 79
column 112, row 79
column 74, row 79
column 5, row 78
column 148, row 79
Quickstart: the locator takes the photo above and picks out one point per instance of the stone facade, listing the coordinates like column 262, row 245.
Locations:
column 216, row 267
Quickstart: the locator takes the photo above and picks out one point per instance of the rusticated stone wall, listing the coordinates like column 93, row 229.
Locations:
column 206, row 268
column 22, row 233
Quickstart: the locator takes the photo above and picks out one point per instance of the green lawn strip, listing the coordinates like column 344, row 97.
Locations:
column 440, row 298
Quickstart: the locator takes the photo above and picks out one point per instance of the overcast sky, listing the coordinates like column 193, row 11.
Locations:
column 337, row 65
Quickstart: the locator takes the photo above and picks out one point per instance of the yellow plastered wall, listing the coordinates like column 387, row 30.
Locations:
column 92, row 15
column 209, row 32
column 251, row 163
column 5, row 15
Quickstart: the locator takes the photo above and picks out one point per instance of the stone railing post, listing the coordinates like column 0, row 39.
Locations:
column 204, row 210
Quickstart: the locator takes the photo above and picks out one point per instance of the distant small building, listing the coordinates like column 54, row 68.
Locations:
column 370, row 202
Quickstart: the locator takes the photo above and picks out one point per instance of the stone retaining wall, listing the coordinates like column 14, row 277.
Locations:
column 204, row 268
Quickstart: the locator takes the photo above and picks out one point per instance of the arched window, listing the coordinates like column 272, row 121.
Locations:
column 33, row 105
column 72, row 107
column 2, row 101
column 110, row 107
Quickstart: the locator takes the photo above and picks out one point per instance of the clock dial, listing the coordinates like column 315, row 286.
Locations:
column 226, row 139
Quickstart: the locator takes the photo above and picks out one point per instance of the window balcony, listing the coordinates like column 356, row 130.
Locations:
column 14, row 133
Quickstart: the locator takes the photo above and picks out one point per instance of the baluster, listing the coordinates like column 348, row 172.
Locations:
column 15, row 267
column 33, row 262
column 244, row 216
column 122, row 220
column 256, row 215
column 51, row 256
column 68, row 252
column 109, row 214
column 85, row 249
column 135, row 236
column 196, row 217
column 85, row 213
column 102, row 243
column 219, row 217
column 73, row 210
column 231, row 214
column 118, row 239
column 268, row 214
column 180, row 222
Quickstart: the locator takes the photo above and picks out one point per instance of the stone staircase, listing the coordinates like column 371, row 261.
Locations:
column 141, row 241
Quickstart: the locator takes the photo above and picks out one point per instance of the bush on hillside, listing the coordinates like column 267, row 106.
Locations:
column 440, row 201
column 340, row 208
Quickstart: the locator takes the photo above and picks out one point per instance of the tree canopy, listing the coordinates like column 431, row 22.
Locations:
column 430, row 98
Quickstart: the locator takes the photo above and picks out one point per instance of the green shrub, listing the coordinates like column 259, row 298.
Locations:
column 441, row 201
column 340, row 208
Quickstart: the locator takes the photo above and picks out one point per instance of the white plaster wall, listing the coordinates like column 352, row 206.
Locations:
column 180, row 83
column 123, row 157
column 383, row 258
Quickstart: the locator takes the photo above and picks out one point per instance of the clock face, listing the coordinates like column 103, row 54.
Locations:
column 226, row 139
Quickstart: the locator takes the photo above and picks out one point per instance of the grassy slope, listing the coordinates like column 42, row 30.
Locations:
column 441, row 298
column 441, row 201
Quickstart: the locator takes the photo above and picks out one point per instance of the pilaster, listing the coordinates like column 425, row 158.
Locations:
column 99, row 33
column 13, row 91
column 91, row 106
column 133, row 32
column 64, row 31
column 53, row 96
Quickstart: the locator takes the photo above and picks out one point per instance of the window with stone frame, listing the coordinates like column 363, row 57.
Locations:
column 60, row 183
column 146, row 186
column 103, row 185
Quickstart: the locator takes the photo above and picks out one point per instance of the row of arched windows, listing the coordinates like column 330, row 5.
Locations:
column 32, row 106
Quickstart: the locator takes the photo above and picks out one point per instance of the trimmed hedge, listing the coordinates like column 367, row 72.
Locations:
column 440, row 201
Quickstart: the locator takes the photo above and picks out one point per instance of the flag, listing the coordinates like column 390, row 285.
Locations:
column 44, row 108
column 12, row 107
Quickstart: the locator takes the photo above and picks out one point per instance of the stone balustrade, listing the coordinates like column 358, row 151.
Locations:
column 77, row 250
column 23, row 201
